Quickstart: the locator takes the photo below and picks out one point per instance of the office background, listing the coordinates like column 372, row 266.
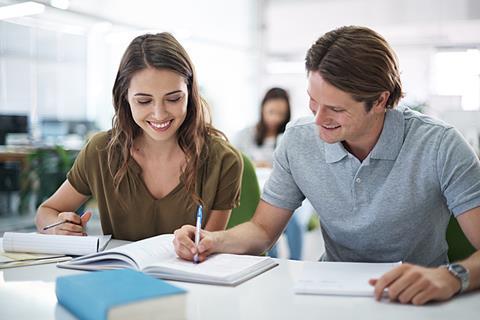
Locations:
column 58, row 60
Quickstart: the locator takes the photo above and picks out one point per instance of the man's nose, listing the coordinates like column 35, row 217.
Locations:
column 320, row 115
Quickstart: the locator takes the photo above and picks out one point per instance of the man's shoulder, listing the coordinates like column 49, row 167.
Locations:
column 301, row 134
column 301, row 125
column 417, row 119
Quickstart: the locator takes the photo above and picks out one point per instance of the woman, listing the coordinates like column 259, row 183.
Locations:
column 159, row 161
column 259, row 142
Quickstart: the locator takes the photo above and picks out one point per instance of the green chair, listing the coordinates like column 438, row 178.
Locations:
column 458, row 245
column 249, row 195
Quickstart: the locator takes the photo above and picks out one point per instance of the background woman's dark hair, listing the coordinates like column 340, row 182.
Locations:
column 261, row 127
column 359, row 61
column 159, row 51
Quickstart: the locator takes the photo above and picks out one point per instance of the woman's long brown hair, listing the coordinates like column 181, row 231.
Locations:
column 160, row 51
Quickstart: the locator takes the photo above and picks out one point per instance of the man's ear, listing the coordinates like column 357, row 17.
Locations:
column 381, row 102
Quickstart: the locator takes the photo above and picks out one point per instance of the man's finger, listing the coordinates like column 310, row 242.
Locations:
column 384, row 281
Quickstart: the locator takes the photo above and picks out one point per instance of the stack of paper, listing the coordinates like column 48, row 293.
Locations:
column 13, row 259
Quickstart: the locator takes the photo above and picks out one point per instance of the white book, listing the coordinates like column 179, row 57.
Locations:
column 156, row 257
column 53, row 244
column 340, row 278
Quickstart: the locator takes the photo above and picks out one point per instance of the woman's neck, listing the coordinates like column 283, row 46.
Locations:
column 271, row 133
column 150, row 148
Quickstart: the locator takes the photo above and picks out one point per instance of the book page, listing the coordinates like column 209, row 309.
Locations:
column 340, row 278
column 52, row 244
column 136, row 255
column 218, row 268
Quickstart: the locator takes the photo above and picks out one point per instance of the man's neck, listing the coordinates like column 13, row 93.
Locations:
column 362, row 149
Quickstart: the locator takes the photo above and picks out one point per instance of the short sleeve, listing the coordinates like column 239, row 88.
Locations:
column 459, row 173
column 78, row 174
column 228, row 189
column 281, row 190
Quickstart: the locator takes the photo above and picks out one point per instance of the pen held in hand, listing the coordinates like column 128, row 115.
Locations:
column 197, row 231
column 54, row 224
column 57, row 224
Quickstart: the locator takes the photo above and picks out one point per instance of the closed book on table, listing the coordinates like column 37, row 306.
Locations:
column 120, row 294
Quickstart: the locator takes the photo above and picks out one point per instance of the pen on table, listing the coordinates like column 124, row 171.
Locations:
column 197, row 231
column 58, row 223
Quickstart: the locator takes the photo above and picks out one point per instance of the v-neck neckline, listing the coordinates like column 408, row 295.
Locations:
column 137, row 170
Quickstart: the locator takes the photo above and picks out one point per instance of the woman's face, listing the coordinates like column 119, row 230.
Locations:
column 274, row 113
column 158, row 102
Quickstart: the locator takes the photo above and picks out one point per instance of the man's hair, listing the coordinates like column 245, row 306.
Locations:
column 359, row 61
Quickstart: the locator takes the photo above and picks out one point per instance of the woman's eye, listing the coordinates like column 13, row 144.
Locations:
column 174, row 99
column 143, row 101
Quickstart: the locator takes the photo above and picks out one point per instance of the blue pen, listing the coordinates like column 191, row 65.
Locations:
column 197, row 231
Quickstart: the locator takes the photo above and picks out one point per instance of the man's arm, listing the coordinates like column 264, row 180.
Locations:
column 252, row 237
column 418, row 285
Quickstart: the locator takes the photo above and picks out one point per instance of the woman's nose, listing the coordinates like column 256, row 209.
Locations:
column 158, row 110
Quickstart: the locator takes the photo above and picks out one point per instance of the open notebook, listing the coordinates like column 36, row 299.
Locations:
column 156, row 257
column 53, row 244
column 340, row 278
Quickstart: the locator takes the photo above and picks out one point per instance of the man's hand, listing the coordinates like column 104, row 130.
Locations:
column 185, row 246
column 417, row 285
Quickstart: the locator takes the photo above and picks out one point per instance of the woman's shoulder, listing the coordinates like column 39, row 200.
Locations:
column 219, row 149
column 100, row 139
column 97, row 143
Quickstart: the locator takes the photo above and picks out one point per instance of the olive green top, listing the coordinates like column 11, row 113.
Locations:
column 132, row 213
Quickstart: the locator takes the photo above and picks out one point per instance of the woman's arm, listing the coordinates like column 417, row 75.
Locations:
column 218, row 220
column 61, row 206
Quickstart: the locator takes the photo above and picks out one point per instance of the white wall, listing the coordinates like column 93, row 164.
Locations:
column 240, row 49
column 415, row 29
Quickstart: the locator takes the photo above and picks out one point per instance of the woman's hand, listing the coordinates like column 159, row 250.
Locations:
column 74, row 225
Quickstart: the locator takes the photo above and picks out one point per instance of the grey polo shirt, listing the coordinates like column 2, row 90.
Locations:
column 393, row 206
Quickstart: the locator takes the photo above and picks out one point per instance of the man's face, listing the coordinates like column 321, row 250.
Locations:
column 339, row 118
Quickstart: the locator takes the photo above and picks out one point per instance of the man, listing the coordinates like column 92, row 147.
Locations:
column 383, row 180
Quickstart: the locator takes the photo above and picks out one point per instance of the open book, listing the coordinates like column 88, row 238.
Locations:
column 340, row 278
column 156, row 257
column 53, row 244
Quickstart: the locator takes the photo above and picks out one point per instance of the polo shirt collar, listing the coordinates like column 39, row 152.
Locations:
column 391, row 139
column 334, row 152
column 388, row 145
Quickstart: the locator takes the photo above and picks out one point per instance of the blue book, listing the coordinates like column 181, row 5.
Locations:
column 120, row 294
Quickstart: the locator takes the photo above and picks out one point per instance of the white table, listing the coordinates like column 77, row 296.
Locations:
column 29, row 293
